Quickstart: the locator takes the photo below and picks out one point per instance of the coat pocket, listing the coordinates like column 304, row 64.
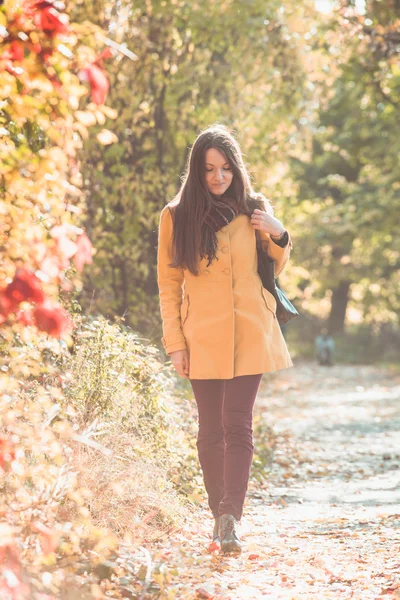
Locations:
column 269, row 300
column 184, row 309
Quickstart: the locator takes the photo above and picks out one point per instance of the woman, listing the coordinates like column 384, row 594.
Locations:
column 219, row 322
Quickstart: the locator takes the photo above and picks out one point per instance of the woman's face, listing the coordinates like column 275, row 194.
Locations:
column 218, row 172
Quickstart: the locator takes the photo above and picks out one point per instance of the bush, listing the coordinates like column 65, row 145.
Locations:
column 97, row 460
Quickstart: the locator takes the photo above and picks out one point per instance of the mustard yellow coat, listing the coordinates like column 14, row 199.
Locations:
column 223, row 316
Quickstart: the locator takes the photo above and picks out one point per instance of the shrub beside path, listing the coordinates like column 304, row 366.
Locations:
column 325, row 523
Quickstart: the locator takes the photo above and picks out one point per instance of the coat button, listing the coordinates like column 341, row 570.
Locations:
column 225, row 249
column 227, row 271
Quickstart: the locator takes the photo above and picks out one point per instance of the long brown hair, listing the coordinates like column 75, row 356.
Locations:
column 193, row 201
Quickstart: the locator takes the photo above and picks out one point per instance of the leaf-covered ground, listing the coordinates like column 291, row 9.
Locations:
column 326, row 522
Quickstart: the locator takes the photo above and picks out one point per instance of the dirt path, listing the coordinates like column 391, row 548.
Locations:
column 326, row 524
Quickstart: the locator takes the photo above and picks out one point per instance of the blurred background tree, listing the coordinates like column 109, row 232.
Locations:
column 195, row 64
column 312, row 97
column 347, row 182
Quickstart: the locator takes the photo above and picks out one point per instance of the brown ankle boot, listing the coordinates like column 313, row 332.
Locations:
column 230, row 541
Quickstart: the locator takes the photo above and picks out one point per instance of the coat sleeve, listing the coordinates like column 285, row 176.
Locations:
column 275, row 251
column 170, row 281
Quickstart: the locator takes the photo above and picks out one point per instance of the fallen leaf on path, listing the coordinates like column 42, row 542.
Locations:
column 203, row 593
column 254, row 556
column 213, row 547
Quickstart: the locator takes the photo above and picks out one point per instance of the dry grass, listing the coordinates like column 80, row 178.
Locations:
column 123, row 399
column 126, row 492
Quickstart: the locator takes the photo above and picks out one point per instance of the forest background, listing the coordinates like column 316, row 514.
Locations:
column 313, row 96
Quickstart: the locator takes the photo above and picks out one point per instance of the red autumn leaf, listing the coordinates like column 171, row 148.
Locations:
column 49, row 20
column 84, row 253
column 53, row 319
column 203, row 593
column 7, row 305
column 17, row 50
column 45, row 54
column 55, row 83
column 36, row 48
column 254, row 556
column 213, row 547
column 98, row 82
column 104, row 54
column 25, row 286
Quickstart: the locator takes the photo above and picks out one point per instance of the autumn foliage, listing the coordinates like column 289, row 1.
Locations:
column 52, row 84
column 46, row 75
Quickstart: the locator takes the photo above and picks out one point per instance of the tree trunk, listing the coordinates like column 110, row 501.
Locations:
column 340, row 298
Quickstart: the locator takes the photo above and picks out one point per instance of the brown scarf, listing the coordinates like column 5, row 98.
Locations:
column 222, row 212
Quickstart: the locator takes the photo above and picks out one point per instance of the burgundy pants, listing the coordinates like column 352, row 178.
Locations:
column 225, row 439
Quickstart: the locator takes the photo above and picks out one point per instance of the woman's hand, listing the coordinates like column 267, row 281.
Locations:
column 180, row 360
column 267, row 223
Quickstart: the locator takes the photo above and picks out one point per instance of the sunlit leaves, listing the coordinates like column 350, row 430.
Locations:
column 106, row 137
column 42, row 128
column 347, row 198
column 43, row 252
